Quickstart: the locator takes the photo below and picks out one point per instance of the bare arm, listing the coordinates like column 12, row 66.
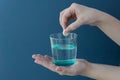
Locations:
column 102, row 72
column 111, row 27
column 86, row 15
column 81, row 67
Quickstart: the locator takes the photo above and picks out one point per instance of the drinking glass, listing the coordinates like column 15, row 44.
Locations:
column 64, row 49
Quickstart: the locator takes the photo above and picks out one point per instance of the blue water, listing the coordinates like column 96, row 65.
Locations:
column 64, row 55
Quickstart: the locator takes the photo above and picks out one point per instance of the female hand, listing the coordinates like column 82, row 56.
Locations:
column 79, row 68
column 82, row 15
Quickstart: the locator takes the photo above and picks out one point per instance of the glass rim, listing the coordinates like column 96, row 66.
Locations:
column 51, row 36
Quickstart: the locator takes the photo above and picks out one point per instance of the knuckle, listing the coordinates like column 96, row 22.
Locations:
column 82, row 19
column 61, row 12
column 73, row 5
column 72, row 28
column 65, row 16
column 37, row 54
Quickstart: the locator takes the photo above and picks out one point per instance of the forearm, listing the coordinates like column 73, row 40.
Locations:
column 102, row 72
column 111, row 27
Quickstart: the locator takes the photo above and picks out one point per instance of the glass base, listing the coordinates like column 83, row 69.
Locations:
column 64, row 62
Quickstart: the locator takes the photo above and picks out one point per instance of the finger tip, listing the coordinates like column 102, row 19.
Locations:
column 65, row 33
column 33, row 56
column 35, row 61
column 63, row 26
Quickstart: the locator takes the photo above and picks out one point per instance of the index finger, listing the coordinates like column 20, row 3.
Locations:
column 45, row 61
column 65, row 17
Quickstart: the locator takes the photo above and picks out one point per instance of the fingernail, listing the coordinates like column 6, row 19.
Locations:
column 61, row 74
column 33, row 56
column 35, row 61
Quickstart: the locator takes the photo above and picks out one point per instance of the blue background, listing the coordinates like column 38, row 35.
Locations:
column 25, row 26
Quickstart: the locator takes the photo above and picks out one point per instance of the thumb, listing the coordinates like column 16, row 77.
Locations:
column 74, row 25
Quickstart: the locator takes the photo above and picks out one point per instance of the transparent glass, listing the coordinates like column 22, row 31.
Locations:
column 64, row 49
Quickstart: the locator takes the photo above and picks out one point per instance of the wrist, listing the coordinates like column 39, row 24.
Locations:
column 106, row 20
column 90, row 71
column 87, row 70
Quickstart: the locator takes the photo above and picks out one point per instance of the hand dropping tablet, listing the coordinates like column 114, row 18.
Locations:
column 65, row 33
